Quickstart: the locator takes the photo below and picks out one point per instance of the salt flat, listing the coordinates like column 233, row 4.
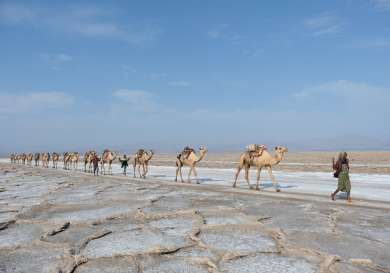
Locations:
column 67, row 221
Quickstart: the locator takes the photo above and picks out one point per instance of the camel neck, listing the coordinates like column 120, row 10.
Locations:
column 277, row 158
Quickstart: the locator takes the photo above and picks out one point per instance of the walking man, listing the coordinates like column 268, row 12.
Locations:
column 95, row 162
column 125, row 163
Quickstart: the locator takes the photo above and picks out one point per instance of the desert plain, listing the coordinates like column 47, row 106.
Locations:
column 52, row 220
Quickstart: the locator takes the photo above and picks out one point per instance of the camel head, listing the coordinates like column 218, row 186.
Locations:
column 202, row 150
column 281, row 150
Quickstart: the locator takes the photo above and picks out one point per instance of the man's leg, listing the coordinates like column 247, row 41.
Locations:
column 349, row 196
column 334, row 194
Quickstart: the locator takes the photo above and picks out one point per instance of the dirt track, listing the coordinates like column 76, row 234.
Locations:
column 56, row 221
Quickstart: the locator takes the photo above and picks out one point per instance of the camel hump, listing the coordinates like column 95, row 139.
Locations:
column 188, row 149
column 252, row 147
column 140, row 152
column 255, row 147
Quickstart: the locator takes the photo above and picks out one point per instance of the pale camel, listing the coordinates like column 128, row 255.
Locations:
column 190, row 159
column 37, row 157
column 265, row 160
column 88, row 156
column 71, row 160
column 18, row 157
column 74, row 160
column 13, row 158
column 45, row 157
column 29, row 159
column 142, row 159
column 107, row 158
column 55, row 158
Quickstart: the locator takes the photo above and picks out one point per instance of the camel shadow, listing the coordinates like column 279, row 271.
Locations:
column 201, row 180
column 159, row 176
column 271, row 185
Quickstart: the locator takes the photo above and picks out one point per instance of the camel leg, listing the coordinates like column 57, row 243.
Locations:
column 143, row 171
column 139, row 170
column 258, row 178
column 134, row 165
column 276, row 185
column 196, row 175
column 177, row 172
column 146, row 171
column 236, row 176
column 247, row 177
column 181, row 175
column 189, row 174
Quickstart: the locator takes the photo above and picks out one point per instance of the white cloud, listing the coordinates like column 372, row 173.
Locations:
column 218, row 31
column 127, row 70
column 33, row 102
column 343, row 88
column 256, row 52
column 179, row 83
column 138, row 100
column 56, row 60
column 373, row 43
column 382, row 4
column 14, row 14
column 81, row 20
column 324, row 24
column 156, row 76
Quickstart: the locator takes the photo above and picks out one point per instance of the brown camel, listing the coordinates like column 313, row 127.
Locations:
column 88, row 157
column 23, row 158
column 107, row 158
column 55, row 158
column 189, row 158
column 45, row 157
column 66, row 159
column 265, row 160
column 29, row 159
column 142, row 158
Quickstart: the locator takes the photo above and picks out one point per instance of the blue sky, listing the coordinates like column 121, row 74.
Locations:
column 311, row 75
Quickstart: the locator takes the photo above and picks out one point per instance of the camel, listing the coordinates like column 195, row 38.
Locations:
column 23, row 157
column 29, row 159
column 88, row 156
column 65, row 158
column 74, row 160
column 107, row 158
column 55, row 158
column 266, row 160
column 45, row 157
column 142, row 158
column 37, row 157
column 13, row 158
column 190, row 159
column 71, row 160
column 18, row 158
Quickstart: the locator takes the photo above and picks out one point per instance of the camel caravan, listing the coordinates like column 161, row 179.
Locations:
column 255, row 156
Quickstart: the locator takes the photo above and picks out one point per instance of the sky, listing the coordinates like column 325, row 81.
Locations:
column 309, row 75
